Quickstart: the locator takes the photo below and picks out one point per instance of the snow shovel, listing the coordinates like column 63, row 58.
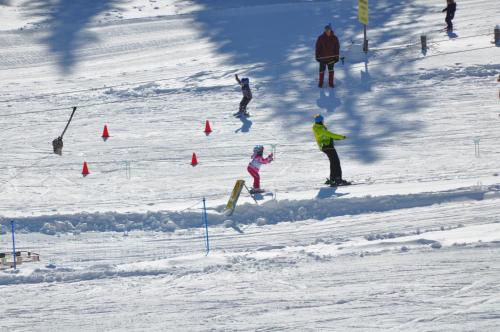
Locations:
column 57, row 144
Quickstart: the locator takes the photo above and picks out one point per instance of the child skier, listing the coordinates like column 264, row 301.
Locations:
column 254, row 167
column 247, row 96
column 450, row 9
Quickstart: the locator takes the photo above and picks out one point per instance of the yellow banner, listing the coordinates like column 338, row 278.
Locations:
column 233, row 199
column 363, row 11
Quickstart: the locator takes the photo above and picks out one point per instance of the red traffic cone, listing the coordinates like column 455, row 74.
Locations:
column 207, row 130
column 194, row 160
column 85, row 170
column 105, row 133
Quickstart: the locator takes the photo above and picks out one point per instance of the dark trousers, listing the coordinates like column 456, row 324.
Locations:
column 243, row 103
column 323, row 65
column 448, row 21
column 335, row 169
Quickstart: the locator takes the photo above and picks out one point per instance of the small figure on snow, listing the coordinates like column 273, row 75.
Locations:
column 325, row 139
column 327, row 54
column 247, row 95
column 450, row 13
column 254, row 167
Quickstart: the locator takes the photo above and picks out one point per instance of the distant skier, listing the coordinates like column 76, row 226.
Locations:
column 450, row 13
column 327, row 54
column 247, row 96
column 254, row 167
column 325, row 139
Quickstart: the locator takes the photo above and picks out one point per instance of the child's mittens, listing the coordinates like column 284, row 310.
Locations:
column 270, row 157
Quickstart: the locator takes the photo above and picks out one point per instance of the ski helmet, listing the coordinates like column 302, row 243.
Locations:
column 245, row 81
column 318, row 118
column 328, row 27
column 258, row 149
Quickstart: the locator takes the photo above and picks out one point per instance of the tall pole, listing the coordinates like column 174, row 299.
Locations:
column 205, row 218
column 13, row 244
column 365, row 41
column 363, row 16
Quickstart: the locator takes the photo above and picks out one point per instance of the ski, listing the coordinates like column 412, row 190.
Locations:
column 349, row 183
column 257, row 191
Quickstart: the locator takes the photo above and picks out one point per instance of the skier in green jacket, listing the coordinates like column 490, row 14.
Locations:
column 325, row 139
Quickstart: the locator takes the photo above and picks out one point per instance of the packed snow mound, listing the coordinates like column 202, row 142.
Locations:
column 328, row 204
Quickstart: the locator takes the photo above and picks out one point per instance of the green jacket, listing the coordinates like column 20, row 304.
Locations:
column 323, row 136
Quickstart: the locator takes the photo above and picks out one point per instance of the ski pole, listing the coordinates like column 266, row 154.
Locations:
column 251, row 194
column 273, row 149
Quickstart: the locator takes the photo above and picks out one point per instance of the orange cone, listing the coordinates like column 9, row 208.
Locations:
column 105, row 133
column 85, row 170
column 194, row 160
column 207, row 130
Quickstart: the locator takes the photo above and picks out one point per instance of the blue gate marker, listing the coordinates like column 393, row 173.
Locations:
column 207, row 243
column 13, row 244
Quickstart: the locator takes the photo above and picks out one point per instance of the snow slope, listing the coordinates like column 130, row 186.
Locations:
column 182, row 66
column 412, row 247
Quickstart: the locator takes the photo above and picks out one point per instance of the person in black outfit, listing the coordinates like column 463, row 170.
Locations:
column 450, row 13
column 247, row 95
column 325, row 139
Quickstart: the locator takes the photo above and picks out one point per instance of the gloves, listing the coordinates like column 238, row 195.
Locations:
column 270, row 157
column 345, row 137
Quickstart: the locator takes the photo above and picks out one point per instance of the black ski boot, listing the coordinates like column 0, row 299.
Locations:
column 342, row 182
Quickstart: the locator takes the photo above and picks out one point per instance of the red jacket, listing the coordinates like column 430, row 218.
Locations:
column 327, row 48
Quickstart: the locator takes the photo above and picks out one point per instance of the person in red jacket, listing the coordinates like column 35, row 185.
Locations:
column 327, row 54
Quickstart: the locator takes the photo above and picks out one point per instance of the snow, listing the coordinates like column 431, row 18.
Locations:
column 412, row 246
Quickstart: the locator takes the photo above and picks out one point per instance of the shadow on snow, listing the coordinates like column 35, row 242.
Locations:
column 276, row 38
column 68, row 22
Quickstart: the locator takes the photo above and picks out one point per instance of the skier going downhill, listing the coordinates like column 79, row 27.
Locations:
column 247, row 95
column 327, row 54
column 325, row 139
column 254, row 167
column 450, row 13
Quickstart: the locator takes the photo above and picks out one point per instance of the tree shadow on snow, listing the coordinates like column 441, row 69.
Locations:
column 328, row 100
column 68, row 22
column 275, row 39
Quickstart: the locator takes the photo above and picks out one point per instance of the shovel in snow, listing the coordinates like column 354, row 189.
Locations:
column 57, row 144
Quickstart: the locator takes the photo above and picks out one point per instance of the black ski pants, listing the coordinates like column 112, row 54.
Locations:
column 448, row 21
column 335, row 169
column 244, row 102
column 323, row 65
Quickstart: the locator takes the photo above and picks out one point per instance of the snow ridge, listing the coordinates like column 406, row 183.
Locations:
column 328, row 204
